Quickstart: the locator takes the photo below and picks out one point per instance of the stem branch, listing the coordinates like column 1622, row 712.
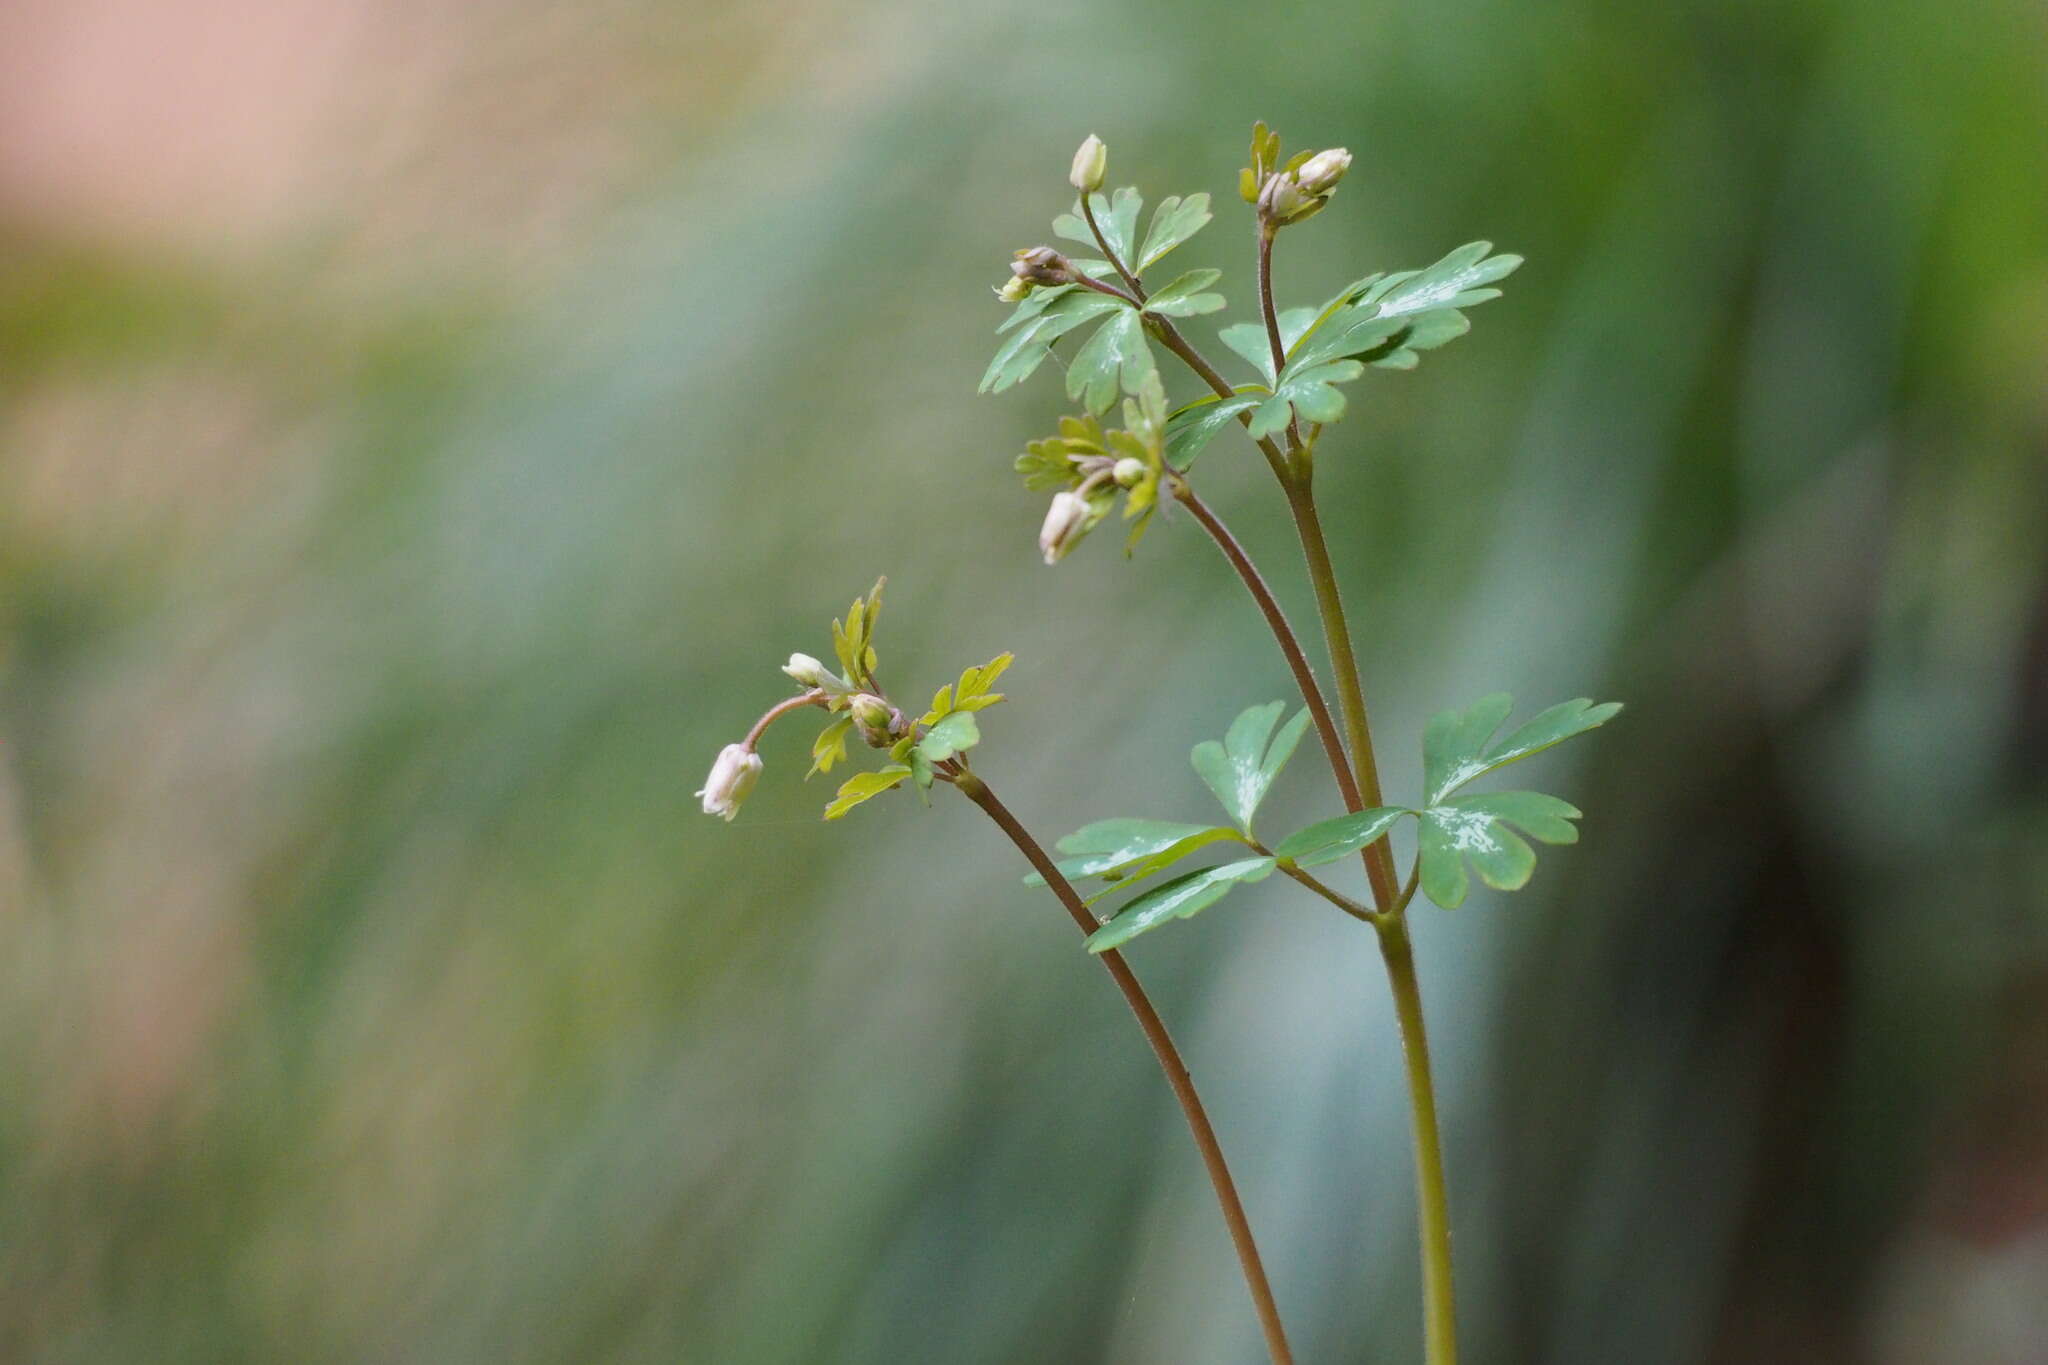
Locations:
column 1170, row 1062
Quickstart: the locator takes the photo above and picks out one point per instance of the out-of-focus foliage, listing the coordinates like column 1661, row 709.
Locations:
column 424, row 431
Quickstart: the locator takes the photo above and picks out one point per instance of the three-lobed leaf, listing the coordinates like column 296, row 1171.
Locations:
column 1241, row 768
column 1177, row 899
column 1481, row 829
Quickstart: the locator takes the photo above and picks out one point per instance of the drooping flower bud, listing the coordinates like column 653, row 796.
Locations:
column 1128, row 471
column 1091, row 163
column 875, row 719
column 732, row 777
column 1014, row 289
column 1063, row 523
column 1321, row 172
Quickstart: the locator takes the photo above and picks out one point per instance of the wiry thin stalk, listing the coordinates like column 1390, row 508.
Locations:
column 1170, row 1062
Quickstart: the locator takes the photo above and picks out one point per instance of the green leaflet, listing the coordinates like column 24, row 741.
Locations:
column 1173, row 222
column 1116, row 357
column 1457, row 747
column 1195, row 425
column 1142, row 855
column 1478, row 829
column 1031, row 343
column 953, row 734
column 1178, row 899
column 1329, row 840
column 1183, row 298
column 1241, row 769
column 1310, row 394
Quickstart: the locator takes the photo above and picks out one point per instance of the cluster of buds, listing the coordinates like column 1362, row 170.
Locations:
column 1301, row 189
column 880, row 724
column 1035, row 266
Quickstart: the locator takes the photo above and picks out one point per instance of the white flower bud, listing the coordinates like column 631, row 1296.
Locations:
column 1014, row 290
column 1321, row 172
column 732, row 777
column 1128, row 471
column 810, row 672
column 1091, row 163
column 1063, row 523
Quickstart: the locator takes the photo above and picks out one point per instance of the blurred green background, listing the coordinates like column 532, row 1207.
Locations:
column 424, row 429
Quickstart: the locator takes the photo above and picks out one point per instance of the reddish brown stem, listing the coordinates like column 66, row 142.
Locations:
column 1170, row 1062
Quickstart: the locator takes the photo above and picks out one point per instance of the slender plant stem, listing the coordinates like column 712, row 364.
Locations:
column 1433, row 1216
column 1379, row 856
column 778, row 711
column 1170, row 1062
column 1129, row 277
column 1283, row 632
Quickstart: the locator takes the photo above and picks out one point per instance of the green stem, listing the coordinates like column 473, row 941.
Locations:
column 1433, row 1216
column 1379, row 858
column 977, row 791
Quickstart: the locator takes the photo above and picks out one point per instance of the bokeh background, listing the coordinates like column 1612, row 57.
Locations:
column 424, row 429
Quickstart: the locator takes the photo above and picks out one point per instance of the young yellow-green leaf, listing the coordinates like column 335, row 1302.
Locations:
column 1241, row 768
column 1329, row 840
column 950, row 736
column 1477, row 829
column 975, row 682
column 1177, row 899
column 830, row 746
column 1173, row 222
column 1184, row 297
column 1457, row 745
column 865, row 786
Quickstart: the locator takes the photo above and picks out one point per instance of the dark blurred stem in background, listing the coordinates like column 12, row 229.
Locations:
column 1170, row 1062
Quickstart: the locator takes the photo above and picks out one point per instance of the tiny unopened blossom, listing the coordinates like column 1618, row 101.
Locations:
column 812, row 673
column 1321, row 172
column 1042, row 265
column 1014, row 289
column 1128, row 471
column 875, row 719
column 1063, row 523
column 1091, row 163
column 732, row 777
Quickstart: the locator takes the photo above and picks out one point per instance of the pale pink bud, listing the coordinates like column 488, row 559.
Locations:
column 732, row 777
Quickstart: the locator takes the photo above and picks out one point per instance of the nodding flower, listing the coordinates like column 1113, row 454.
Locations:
column 732, row 777
column 1064, row 521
